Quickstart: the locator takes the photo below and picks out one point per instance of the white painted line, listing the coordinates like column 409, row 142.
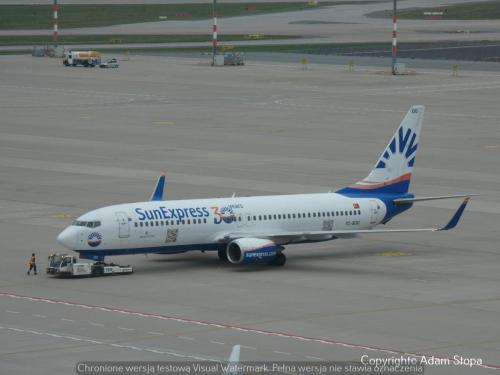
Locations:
column 217, row 342
column 68, row 320
column 278, row 352
column 156, row 333
column 186, row 338
column 126, row 329
column 12, row 312
column 133, row 347
column 96, row 324
column 155, row 351
column 313, row 357
column 289, row 336
column 249, row 347
column 17, row 330
column 39, row 316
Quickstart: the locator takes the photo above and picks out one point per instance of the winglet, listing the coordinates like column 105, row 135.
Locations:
column 233, row 361
column 160, row 186
column 454, row 220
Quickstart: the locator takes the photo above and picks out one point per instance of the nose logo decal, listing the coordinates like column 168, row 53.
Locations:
column 95, row 239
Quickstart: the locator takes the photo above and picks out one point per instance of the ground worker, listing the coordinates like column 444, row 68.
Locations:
column 32, row 264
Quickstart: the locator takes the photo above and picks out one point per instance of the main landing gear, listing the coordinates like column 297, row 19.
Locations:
column 279, row 260
column 222, row 255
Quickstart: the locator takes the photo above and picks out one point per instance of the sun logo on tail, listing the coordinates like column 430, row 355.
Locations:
column 401, row 150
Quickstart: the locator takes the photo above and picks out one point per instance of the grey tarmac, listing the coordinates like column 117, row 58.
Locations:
column 73, row 139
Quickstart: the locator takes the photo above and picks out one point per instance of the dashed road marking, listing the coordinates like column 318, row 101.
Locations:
column 313, row 357
column 60, row 216
column 96, row 324
column 290, row 336
column 283, row 353
column 217, row 342
column 12, row 312
column 186, row 338
column 126, row 329
column 156, row 333
column 67, row 320
column 393, row 254
column 39, row 316
column 248, row 347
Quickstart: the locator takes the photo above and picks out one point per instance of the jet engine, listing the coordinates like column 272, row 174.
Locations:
column 253, row 250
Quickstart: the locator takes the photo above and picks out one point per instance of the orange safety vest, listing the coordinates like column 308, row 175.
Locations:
column 32, row 260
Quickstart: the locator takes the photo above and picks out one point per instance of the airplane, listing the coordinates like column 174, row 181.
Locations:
column 256, row 229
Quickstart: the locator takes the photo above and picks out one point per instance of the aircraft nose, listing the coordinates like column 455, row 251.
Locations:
column 67, row 238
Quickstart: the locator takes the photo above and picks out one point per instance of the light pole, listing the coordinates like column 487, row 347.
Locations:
column 214, row 31
column 55, row 20
column 394, row 37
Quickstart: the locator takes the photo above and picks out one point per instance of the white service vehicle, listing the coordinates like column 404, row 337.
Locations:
column 68, row 265
column 110, row 63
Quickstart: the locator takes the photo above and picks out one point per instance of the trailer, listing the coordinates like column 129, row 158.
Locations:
column 85, row 58
column 67, row 265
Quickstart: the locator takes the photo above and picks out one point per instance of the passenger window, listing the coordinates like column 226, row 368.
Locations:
column 293, row 216
column 178, row 222
column 314, row 214
column 341, row 213
column 248, row 218
column 265, row 217
column 260, row 217
column 255, row 218
column 189, row 221
column 157, row 223
column 135, row 225
column 205, row 221
column 274, row 217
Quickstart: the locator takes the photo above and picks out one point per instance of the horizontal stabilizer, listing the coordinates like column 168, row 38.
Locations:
column 422, row 199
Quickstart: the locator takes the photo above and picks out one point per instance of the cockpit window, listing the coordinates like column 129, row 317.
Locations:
column 88, row 224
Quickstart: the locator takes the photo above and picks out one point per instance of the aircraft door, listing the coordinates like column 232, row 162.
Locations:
column 374, row 208
column 123, row 225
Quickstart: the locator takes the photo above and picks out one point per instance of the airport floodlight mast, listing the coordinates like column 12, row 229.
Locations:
column 394, row 37
column 55, row 33
column 214, row 31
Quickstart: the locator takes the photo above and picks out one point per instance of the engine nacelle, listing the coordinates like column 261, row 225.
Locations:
column 251, row 250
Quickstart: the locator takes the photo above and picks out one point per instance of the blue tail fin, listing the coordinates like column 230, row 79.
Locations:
column 392, row 172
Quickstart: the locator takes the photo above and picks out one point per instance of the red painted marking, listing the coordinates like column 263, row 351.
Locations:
column 235, row 327
column 374, row 185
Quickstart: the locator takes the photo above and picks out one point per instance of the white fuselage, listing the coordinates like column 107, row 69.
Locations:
column 201, row 224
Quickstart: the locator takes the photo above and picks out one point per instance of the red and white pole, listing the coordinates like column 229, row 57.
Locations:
column 55, row 33
column 394, row 38
column 214, row 31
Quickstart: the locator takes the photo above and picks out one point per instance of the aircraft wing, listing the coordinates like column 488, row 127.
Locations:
column 294, row 236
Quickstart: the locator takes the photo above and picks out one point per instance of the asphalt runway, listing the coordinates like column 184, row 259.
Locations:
column 73, row 139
